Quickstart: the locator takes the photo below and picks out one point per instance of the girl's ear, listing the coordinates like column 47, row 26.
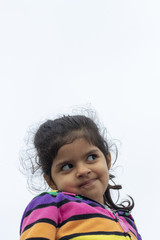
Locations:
column 49, row 182
column 109, row 160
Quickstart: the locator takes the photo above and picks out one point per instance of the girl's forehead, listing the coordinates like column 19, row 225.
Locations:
column 81, row 142
column 79, row 134
column 79, row 145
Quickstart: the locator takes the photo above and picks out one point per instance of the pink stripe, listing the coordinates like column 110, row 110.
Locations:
column 126, row 224
column 47, row 212
column 71, row 209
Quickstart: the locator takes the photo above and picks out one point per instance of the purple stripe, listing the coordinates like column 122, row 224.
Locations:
column 48, row 199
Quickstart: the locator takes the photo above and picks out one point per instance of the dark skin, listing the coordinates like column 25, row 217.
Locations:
column 80, row 168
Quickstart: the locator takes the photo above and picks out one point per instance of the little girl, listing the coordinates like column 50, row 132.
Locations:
column 75, row 161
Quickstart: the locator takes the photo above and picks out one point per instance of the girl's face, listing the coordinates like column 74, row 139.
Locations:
column 80, row 168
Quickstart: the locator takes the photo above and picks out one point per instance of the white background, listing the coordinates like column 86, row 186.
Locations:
column 55, row 55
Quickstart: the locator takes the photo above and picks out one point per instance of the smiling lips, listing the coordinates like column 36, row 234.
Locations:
column 88, row 183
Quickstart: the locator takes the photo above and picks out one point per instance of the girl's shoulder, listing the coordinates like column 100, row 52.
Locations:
column 126, row 220
column 40, row 207
column 56, row 200
column 42, row 199
column 56, row 196
column 55, row 207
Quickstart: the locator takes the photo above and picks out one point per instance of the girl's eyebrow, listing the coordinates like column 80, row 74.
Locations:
column 62, row 163
column 59, row 164
column 91, row 152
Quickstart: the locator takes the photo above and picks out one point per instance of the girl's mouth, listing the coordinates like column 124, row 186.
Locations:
column 88, row 183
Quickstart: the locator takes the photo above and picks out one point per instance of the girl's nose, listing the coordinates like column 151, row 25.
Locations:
column 82, row 171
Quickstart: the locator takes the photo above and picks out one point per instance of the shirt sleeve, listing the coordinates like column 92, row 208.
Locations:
column 135, row 227
column 40, row 219
column 129, row 218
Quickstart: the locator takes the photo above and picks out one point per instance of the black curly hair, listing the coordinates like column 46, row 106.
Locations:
column 53, row 134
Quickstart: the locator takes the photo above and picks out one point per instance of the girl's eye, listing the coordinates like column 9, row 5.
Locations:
column 92, row 157
column 67, row 167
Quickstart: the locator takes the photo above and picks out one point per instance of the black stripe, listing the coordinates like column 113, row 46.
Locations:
column 64, row 201
column 85, row 216
column 133, row 232
column 44, row 205
column 42, row 220
column 94, row 233
column 83, row 199
column 38, row 207
column 45, row 193
column 37, row 238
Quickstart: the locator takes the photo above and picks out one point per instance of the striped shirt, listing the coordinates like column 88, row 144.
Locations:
column 58, row 215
